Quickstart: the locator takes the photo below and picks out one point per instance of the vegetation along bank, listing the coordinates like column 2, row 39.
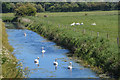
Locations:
column 11, row 68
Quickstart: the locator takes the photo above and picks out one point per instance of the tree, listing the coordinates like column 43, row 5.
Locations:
column 67, row 7
column 39, row 8
column 47, row 5
column 57, row 7
column 7, row 7
column 51, row 8
column 75, row 6
column 25, row 10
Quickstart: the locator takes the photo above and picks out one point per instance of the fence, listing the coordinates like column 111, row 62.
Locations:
column 93, row 33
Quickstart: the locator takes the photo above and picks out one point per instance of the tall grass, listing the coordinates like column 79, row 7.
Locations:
column 10, row 66
column 5, row 42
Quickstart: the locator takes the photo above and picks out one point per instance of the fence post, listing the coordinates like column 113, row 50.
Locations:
column 97, row 34
column 58, row 25
column 74, row 29
column 62, row 25
column 84, row 31
column 107, row 35
column 118, row 40
column 91, row 33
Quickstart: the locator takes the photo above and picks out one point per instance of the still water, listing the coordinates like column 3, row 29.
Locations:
column 29, row 48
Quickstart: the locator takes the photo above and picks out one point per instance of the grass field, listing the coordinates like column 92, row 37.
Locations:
column 97, row 51
column 106, row 22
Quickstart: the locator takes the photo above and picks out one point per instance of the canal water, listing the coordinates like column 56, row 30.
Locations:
column 28, row 48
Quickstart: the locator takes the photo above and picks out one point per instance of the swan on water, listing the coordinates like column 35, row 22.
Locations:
column 43, row 51
column 25, row 34
column 55, row 62
column 70, row 66
column 36, row 61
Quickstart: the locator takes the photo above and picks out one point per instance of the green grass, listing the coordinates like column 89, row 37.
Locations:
column 4, row 39
column 107, row 22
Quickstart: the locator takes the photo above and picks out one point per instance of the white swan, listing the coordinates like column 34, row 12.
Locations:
column 81, row 23
column 77, row 23
column 93, row 24
column 70, row 66
column 72, row 24
column 55, row 62
column 25, row 34
column 43, row 51
column 36, row 61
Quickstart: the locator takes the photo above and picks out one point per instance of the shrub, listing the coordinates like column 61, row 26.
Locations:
column 25, row 10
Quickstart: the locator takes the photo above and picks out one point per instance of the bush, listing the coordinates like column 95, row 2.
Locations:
column 25, row 10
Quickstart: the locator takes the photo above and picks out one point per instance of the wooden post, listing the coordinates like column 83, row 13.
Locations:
column 91, row 33
column 118, row 40
column 62, row 25
column 84, row 31
column 58, row 25
column 74, row 29
column 97, row 34
column 107, row 36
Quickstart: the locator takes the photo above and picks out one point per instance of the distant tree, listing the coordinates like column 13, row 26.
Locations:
column 118, row 6
column 67, row 7
column 47, row 5
column 105, row 6
column 61, row 7
column 25, row 10
column 7, row 7
column 57, row 8
column 51, row 8
column 17, row 5
column 95, row 6
column 39, row 8
column 75, row 7
column 12, row 7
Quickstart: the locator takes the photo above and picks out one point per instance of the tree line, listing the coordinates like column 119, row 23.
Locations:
column 10, row 7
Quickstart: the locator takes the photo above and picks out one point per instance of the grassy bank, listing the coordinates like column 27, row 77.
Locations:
column 10, row 66
column 98, row 51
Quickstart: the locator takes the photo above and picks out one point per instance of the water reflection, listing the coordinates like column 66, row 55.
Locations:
column 70, row 71
column 42, row 54
column 25, row 34
column 55, row 67
column 38, row 65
